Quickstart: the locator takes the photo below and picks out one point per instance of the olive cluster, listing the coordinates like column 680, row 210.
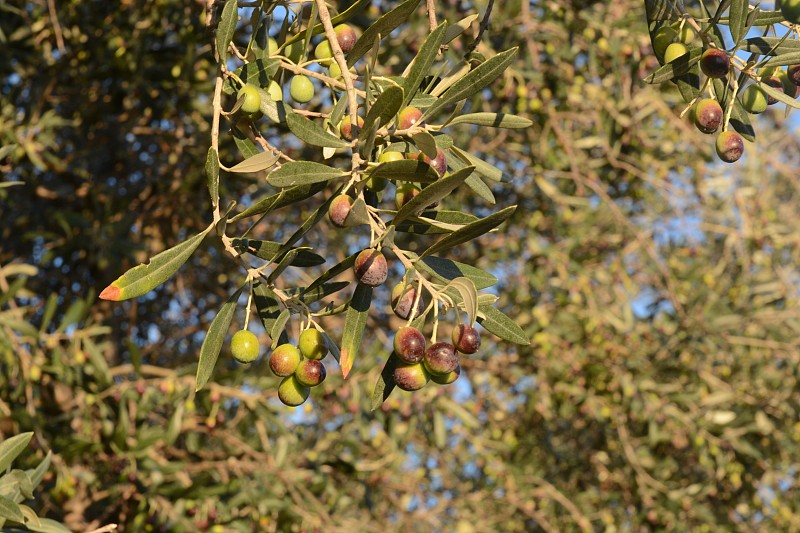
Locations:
column 438, row 362
column 670, row 45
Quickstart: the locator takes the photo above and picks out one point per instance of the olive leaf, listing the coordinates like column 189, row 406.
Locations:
column 312, row 133
column 470, row 231
column 212, row 175
column 282, row 199
column 494, row 120
column 469, row 296
column 226, row 28
column 431, row 194
column 212, row 344
column 499, row 324
column 142, row 279
column 256, row 163
column 268, row 250
column 405, row 170
column 423, row 61
column 385, row 384
column 446, row 270
column 354, row 324
column 383, row 27
column 384, row 109
column 302, row 173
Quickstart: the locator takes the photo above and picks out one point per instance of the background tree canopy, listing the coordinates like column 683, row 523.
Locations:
column 658, row 287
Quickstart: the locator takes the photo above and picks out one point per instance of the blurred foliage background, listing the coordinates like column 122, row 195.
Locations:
column 659, row 288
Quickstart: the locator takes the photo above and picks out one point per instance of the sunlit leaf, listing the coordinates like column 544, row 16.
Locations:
column 215, row 337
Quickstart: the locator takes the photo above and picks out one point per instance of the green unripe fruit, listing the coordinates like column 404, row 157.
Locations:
column 715, row 63
column 446, row 379
column 334, row 71
column 275, row 92
column 729, row 146
column 291, row 392
column 466, row 339
column 441, row 358
column 371, row 268
column 301, row 89
column 323, row 51
column 411, row 377
column 405, row 192
column 662, row 39
column 376, row 183
column 272, row 46
column 244, row 346
column 674, row 51
column 386, row 157
column 409, row 344
column 346, row 37
column 346, row 127
column 409, row 117
column 754, row 99
column 403, row 300
column 339, row 209
column 312, row 344
column 310, row 372
column 686, row 34
column 707, row 115
column 790, row 9
column 284, row 360
column 252, row 100
column 789, row 87
column 295, row 52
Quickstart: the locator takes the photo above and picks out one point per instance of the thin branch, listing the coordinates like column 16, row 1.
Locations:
column 432, row 14
column 484, row 25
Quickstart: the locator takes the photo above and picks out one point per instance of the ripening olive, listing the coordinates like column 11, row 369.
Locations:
column 284, row 360
column 346, row 36
column 408, row 117
column 466, row 339
column 310, row 372
column 346, row 127
column 244, row 346
column 409, row 344
column 339, row 209
column 312, row 344
column 707, row 115
column 403, row 300
column 411, row 377
column 729, row 146
column 275, row 92
column 441, row 358
column 715, row 63
column 371, row 268
column 405, row 192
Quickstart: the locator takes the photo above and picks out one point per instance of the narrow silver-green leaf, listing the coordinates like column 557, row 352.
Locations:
column 385, row 384
column 763, row 18
column 431, row 194
column 246, row 146
column 384, row 109
column 469, row 296
column 481, row 167
column 426, row 143
column 212, row 175
column 269, row 249
column 46, row 525
column 331, row 273
column 474, row 81
column 480, row 188
column 143, row 278
column 312, row 133
column 278, row 327
column 318, row 293
column 258, row 73
column 494, row 120
column 770, row 46
column 226, row 28
column 279, row 200
column 354, row 324
column 212, row 344
column 738, row 19
column 498, row 323
column 303, row 173
column 405, row 170
column 383, row 27
column 446, row 270
column 436, row 222
column 9, row 510
column 789, row 58
column 341, row 18
column 37, row 474
column 268, row 308
column 676, row 68
column 12, row 447
column 454, row 30
column 780, row 96
column 470, row 231
column 422, row 63
column 256, row 163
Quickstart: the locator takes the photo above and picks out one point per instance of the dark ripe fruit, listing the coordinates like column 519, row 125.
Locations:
column 466, row 339
column 708, row 115
column 730, row 146
column 674, row 51
column 773, row 81
column 441, row 358
column 371, row 268
column 291, row 392
column 408, row 117
column 790, row 9
column 793, row 72
column 754, row 99
column 346, row 37
column 310, row 372
column 252, row 100
column 715, row 63
column 405, row 192
column 346, row 127
column 411, row 377
column 312, row 344
column 446, row 379
column 301, row 88
column 339, row 209
column 244, row 346
column 790, row 88
column 284, row 360
column 403, row 300
column 409, row 344
column 439, row 163
column 663, row 38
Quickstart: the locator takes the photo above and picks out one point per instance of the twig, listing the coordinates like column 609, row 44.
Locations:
column 484, row 25
column 432, row 13
column 56, row 26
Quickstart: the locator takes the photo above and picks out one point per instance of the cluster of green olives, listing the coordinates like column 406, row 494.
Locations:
column 438, row 362
column 300, row 367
